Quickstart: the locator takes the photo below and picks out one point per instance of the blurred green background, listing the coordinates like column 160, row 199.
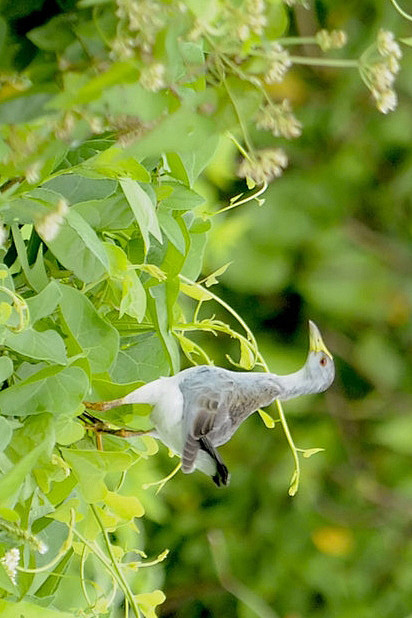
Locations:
column 332, row 243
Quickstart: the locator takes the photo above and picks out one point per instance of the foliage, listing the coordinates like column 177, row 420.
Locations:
column 109, row 115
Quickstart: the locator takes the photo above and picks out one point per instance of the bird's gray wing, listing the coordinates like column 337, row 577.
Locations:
column 207, row 395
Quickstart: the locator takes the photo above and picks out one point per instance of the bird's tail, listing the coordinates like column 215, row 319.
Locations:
column 190, row 451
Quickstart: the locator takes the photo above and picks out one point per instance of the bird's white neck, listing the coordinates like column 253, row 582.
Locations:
column 294, row 384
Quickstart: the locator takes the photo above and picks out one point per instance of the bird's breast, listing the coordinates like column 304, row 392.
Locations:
column 166, row 415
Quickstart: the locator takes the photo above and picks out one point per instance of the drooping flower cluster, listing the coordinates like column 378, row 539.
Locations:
column 331, row 39
column 253, row 19
column 279, row 63
column 265, row 165
column 279, row 119
column 48, row 227
column 379, row 73
column 152, row 77
column 143, row 20
column 10, row 562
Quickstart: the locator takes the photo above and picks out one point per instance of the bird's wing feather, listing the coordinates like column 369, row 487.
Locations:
column 207, row 395
column 216, row 401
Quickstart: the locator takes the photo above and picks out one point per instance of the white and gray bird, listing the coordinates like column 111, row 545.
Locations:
column 200, row 408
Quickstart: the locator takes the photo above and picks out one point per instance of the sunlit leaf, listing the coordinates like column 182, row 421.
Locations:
column 126, row 507
column 143, row 209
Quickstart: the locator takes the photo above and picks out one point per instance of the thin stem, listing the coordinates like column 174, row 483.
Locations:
column 225, row 305
column 296, row 477
column 197, row 311
column 160, row 484
column 325, row 62
column 297, row 40
column 239, row 116
column 401, row 11
column 96, row 551
column 120, row 576
column 238, row 146
column 82, row 577
column 62, row 551
column 249, row 198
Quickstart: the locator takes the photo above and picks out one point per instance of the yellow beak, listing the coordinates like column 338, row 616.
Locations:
column 315, row 340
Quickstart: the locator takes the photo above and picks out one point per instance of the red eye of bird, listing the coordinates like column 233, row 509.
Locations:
column 323, row 361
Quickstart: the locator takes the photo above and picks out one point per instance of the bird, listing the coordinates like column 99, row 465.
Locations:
column 200, row 408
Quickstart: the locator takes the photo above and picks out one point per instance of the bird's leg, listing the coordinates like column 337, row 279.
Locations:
column 102, row 406
column 99, row 427
column 222, row 473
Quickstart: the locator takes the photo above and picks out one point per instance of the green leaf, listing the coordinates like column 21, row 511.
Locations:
column 76, row 188
column 79, row 249
column 143, row 360
column 182, row 198
column 68, row 431
column 133, row 100
column 87, row 234
column 44, row 303
column 148, row 601
column 90, row 467
column 110, row 213
column 5, row 312
column 114, row 163
column 277, row 20
column 95, row 87
column 24, row 108
column 46, row 345
column 193, row 130
column 6, row 368
column 195, row 292
column 198, row 238
column 11, row 482
column 187, row 166
column 55, row 390
column 172, row 229
column 247, row 357
column 133, row 295
column 267, row 419
column 6, row 432
column 308, row 452
column 98, row 339
column 158, row 305
column 55, row 35
column 144, row 210
column 177, row 168
column 126, row 507
column 212, row 278
column 38, row 278
column 24, row 609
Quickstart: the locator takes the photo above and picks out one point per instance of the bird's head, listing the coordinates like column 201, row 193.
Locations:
column 319, row 364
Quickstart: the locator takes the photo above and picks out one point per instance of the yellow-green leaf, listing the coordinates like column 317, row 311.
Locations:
column 125, row 507
column 194, row 291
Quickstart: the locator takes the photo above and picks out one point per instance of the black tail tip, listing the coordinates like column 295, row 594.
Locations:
column 222, row 476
